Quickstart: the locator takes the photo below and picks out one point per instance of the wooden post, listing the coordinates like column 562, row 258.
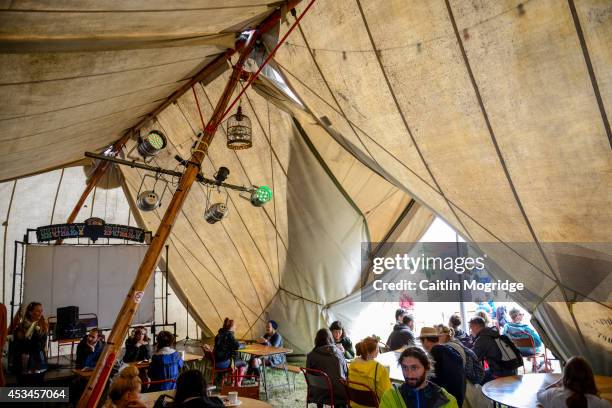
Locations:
column 100, row 376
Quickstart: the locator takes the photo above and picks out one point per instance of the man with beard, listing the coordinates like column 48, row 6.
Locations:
column 416, row 392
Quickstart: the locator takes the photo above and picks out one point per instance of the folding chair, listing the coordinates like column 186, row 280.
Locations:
column 248, row 391
column 318, row 380
column 526, row 341
column 364, row 395
column 209, row 356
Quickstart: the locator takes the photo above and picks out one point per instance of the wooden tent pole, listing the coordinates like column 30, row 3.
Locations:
column 96, row 176
column 97, row 381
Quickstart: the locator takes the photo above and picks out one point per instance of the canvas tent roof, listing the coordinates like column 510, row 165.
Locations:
column 491, row 115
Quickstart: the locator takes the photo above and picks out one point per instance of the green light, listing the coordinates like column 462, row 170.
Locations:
column 261, row 196
column 156, row 140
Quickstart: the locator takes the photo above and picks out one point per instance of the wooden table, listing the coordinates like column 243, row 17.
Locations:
column 389, row 360
column 149, row 399
column 520, row 391
column 86, row 373
column 260, row 350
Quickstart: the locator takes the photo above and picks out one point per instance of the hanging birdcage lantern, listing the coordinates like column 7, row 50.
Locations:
column 239, row 131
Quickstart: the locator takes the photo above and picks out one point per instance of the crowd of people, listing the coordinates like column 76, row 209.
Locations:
column 441, row 365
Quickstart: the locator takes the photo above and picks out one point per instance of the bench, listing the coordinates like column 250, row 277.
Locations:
column 289, row 369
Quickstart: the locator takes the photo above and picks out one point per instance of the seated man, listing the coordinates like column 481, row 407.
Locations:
column 517, row 329
column 89, row 349
column 416, row 391
column 487, row 348
column 449, row 371
column 402, row 335
column 271, row 338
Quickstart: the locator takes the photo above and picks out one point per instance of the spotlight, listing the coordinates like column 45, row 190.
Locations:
column 261, row 195
column 215, row 213
column 148, row 200
column 152, row 144
column 222, row 175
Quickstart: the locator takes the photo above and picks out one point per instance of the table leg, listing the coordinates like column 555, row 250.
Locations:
column 263, row 360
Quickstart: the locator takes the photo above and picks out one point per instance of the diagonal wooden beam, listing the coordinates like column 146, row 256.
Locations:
column 100, row 376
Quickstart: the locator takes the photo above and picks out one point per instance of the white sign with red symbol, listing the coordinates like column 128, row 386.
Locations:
column 138, row 296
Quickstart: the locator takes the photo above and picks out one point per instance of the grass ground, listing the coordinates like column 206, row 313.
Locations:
column 281, row 397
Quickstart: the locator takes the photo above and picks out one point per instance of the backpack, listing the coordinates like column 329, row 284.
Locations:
column 510, row 355
column 474, row 371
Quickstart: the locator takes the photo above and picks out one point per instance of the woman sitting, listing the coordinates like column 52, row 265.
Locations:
column 124, row 391
column 30, row 341
column 165, row 363
column 226, row 346
column 366, row 370
column 325, row 356
column 576, row 389
column 343, row 343
column 191, row 391
column 137, row 346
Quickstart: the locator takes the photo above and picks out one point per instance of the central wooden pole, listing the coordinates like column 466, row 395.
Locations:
column 105, row 363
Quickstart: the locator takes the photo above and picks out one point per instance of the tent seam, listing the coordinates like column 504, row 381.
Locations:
column 405, row 121
column 501, row 158
column 589, row 65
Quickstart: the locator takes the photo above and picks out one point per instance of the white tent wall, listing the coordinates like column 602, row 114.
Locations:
column 48, row 198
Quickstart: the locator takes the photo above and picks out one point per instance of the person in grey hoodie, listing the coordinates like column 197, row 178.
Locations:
column 325, row 356
column 402, row 334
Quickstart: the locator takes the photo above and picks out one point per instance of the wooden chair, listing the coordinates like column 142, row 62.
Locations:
column 363, row 395
column 318, row 380
column 209, row 356
column 244, row 390
column 526, row 341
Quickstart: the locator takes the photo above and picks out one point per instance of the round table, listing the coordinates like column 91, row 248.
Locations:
column 520, row 391
column 149, row 399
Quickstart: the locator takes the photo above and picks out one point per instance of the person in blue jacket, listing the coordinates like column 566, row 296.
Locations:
column 166, row 363
column 517, row 329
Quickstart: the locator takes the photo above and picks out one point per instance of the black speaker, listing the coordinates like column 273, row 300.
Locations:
column 67, row 316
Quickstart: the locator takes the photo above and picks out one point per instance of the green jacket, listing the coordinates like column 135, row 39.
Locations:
column 432, row 396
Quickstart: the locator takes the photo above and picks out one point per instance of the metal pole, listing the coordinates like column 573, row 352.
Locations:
column 166, row 317
column 14, row 280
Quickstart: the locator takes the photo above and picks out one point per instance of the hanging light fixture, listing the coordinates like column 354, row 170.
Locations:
column 239, row 135
column 153, row 143
column 215, row 213
column 148, row 200
column 261, row 195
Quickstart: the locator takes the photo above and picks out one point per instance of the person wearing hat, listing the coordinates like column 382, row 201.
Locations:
column 449, row 371
column 271, row 338
column 416, row 391
column 517, row 329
